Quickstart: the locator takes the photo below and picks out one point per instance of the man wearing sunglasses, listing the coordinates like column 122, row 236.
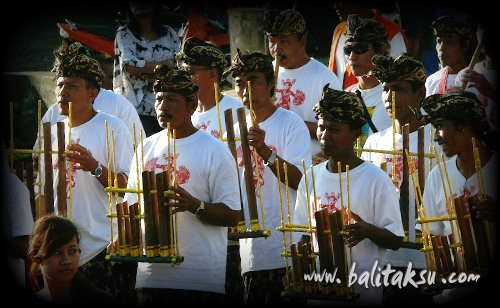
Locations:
column 366, row 38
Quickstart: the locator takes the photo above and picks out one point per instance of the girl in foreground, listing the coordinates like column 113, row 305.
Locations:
column 54, row 250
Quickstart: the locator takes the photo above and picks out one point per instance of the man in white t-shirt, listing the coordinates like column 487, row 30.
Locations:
column 300, row 79
column 460, row 120
column 89, row 134
column 453, row 38
column 276, row 136
column 366, row 38
column 403, row 78
column 349, row 184
column 205, row 197
column 205, row 62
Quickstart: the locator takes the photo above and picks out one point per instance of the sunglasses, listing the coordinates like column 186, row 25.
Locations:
column 359, row 48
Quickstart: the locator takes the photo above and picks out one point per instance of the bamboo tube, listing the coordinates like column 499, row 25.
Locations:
column 404, row 201
column 339, row 251
column 49, row 176
column 148, row 216
column 276, row 70
column 304, row 252
column 325, row 247
column 154, row 211
column 135, row 239
column 421, row 157
column 61, row 184
column 128, row 227
column 467, row 241
column 474, row 59
column 484, row 250
column 249, row 181
column 297, row 274
column 231, row 143
column 163, row 214
column 121, row 229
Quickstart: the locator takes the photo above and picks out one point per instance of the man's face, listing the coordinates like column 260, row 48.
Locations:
column 74, row 90
column 449, row 50
column 203, row 76
column 259, row 89
column 173, row 108
column 335, row 138
column 404, row 97
column 288, row 48
column 448, row 137
column 359, row 57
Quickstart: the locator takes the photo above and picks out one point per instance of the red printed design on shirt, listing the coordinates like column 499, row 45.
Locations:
column 181, row 174
column 287, row 93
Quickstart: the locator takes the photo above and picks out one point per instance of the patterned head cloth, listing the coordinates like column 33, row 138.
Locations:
column 73, row 60
column 364, row 30
column 340, row 106
column 452, row 106
column 452, row 26
column 176, row 81
column 197, row 52
column 285, row 22
column 402, row 67
column 250, row 62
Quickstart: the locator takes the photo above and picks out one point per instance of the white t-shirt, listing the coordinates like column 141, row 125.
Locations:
column 373, row 102
column 87, row 202
column 370, row 194
column 434, row 197
column 214, row 122
column 384, row 140
column 106, row 101
column 432, row 82
column 205, row 168
column 288, row 136
column 299, row 89
column 17, row 219
column 489, row 105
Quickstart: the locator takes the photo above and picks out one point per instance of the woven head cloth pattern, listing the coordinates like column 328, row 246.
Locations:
column 73, row 60
column 452, row 106
column 198, row 52
column 250, row 62
column 340, row 106
column 452, row 26
column 403, row 67
column 285, row 22
column 176, row 81
column 364, row 30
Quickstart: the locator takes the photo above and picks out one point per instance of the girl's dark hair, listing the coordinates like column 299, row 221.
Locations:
column 49, row 233
column 481, row 130
column 156, row 22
